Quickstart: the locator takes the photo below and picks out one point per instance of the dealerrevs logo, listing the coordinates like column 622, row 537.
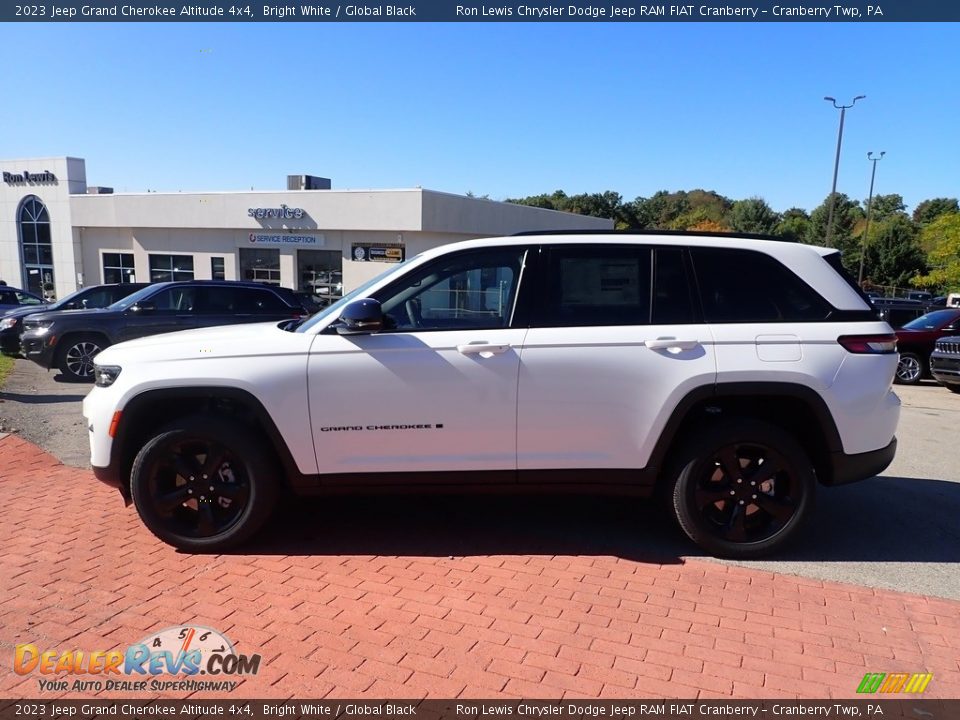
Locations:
column 183, row 650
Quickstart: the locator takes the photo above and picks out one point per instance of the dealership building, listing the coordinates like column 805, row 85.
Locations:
column 57, row 233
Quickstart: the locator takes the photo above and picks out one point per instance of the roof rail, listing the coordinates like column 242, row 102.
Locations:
column 678, row 233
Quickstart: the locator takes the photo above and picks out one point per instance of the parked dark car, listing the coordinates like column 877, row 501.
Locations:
column 313, row 303
column 94, row 296
column 13, row 298
column 69, row 340
column 898, row 314
column 945, row 363
column 916, row 339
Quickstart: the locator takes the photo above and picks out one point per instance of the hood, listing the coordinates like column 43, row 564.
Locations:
column 247, row 340
column 51, row 315
column 22, row 311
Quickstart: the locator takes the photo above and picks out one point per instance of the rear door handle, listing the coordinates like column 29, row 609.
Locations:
column 481, row 348
column 671, row 344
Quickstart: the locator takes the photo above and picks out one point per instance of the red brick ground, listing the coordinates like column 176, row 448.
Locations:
column 79, row 571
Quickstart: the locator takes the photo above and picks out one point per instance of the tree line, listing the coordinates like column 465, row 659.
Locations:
column 920, row 249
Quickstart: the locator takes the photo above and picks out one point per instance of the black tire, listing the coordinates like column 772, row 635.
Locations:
column 76, row 354
column 172, row 475
column 909, row 370
column 715, row 503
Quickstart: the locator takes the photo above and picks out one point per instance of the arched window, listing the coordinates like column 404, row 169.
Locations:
column 36, row 247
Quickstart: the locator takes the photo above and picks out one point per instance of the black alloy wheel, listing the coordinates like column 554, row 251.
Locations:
column 203, row 485
column 743, row 489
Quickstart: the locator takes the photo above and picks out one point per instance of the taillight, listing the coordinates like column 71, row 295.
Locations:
column 869, row 344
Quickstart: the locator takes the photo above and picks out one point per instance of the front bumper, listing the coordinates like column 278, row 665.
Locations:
column 111, row 476
column 945, row 368
column 10, row 341
column 38, row 348
column 847, row 469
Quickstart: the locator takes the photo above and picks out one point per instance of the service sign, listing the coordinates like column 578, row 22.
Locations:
column 378, row 253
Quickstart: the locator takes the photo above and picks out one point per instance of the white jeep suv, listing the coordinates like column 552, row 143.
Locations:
column 731, row 373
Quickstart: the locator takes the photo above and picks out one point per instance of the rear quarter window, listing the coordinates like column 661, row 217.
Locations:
column 749, row 286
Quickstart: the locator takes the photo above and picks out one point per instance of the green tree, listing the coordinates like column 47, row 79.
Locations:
column 929, row 210
column 886, row 206
column 548, row 202
column 846, row 215
column 753, row 216
column 893, row 255
column 943, row 235
column 794, row 224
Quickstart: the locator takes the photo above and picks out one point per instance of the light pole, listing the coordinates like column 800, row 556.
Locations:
column 836, row 163
column 866, row 228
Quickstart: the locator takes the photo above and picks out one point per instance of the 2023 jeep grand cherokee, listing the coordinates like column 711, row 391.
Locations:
column 731, row 373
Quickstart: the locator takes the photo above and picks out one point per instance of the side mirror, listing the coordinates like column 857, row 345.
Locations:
column 361, row 317
column 144, row 306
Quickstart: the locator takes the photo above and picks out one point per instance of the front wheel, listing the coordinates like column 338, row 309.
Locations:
column 77, row 354
column 909, row 369
column 204, row 484
column 742, row 490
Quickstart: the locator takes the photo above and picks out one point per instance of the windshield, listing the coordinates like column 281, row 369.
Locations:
column 932, row 321
column 334, row 310
column 129, row 300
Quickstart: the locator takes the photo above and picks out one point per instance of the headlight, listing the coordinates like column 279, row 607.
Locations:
column 8, row 323
column 106, row 375
column 41, row 327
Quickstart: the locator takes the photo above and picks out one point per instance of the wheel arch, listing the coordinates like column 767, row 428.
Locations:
column 798, row 409
column 63, row 340
column 145, row 413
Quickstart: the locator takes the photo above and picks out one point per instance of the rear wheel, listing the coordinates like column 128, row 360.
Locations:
column 76, row 356
column 742, row 490
column 909, row 369
column 204, row 484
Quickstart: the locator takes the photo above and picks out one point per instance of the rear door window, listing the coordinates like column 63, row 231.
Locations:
column 177, row 300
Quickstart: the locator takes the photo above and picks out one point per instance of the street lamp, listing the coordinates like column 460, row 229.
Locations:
column 866, row 229
column 836, row 163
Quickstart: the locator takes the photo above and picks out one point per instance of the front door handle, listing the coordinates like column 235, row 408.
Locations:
column 481, row 348
column 671, row 344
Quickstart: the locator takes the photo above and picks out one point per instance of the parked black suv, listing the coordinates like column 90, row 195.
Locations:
column 93, row 296
column 70, row 340
column 945, row 363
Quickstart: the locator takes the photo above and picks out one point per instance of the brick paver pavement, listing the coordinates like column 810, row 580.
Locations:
column 78, row 571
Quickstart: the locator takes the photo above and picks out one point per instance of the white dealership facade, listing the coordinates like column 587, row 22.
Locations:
column 57, row 233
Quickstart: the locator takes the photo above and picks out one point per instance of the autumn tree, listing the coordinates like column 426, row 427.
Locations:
column 943, row 235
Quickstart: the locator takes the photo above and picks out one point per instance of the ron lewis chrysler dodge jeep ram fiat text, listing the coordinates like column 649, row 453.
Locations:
column 731, row 373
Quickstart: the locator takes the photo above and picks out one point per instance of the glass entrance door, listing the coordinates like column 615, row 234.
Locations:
column 319, row 273
column 36, row 247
